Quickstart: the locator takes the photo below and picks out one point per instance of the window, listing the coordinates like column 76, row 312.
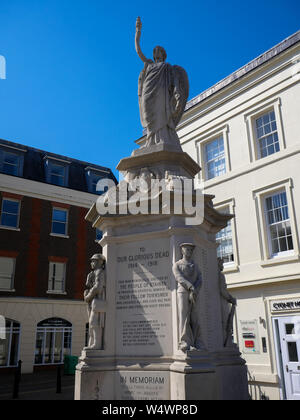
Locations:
column 224, row 239
column 59, row 221
column 98, row 234
column 266, row 134
column 57, row 171
column 9, row 346
column 11, row 163
column 56, row 281
column 264, row 128
column 57, row 174
column 53, row 341
column 214, row 158
column 7, row 272
column 10, row 213
column 278, row 223
column 92, row 178
column 225, row 248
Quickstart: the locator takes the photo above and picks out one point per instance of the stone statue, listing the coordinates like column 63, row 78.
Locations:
column 95, row 297
column 163, row 91
column 227, row 311
column 189, row 279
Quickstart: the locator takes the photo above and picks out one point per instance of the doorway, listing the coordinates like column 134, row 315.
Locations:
column 287, row 334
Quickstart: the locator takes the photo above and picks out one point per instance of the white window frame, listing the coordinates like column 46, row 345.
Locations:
column 18, row 215
column 11, row 289
column 9, row 331
column 250, row 121
column 49, row 162
column 271, row 253
column 200, row 144
column 63, row 290
column 62, row 235
column 13, row 151
column 259, row 196
column 230, row 205
column 54, row 330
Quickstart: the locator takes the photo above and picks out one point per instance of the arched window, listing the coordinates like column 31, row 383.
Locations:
column 10, row 343
column 53, row 341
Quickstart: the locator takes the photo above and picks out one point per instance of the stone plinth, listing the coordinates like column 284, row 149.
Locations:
column 141, row 358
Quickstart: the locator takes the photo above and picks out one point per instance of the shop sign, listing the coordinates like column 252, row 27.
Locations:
column 284, row 305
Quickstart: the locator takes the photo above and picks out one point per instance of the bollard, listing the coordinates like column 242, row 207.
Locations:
column 17, row 379
column 58, row 380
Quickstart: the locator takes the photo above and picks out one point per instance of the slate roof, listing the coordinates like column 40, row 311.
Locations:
column 34, row 166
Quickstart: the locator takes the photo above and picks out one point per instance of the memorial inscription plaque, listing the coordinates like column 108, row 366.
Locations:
column 143, row 299
column 143, row 385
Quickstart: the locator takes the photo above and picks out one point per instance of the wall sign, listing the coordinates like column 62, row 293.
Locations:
column 284, row 305
column 250, row 337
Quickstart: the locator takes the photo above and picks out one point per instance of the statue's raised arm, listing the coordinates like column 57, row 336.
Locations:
column 138, row 28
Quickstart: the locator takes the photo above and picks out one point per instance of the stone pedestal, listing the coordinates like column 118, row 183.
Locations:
column 141, row 358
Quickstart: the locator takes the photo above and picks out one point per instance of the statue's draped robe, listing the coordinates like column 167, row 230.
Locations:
column 157, row 87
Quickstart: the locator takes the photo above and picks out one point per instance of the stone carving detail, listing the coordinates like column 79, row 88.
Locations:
column 189, row 279
column 95, row 297
column 163, row 91
column 228, row 306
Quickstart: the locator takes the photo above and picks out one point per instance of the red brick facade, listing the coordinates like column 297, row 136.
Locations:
column 33, row 247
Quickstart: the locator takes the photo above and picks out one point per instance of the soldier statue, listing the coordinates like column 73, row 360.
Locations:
column 189, row 279
column 95, row 297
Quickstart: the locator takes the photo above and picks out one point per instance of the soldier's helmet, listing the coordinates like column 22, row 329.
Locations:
column 98, row 257
column 185, row 244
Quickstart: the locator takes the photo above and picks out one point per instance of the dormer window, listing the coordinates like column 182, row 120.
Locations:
column 57, row 171
column 11, row 161
column 93, row 176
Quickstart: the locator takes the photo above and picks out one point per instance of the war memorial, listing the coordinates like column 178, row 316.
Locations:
column 160, row 315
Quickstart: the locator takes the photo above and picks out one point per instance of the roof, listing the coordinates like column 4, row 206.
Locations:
column 238, row 74
column 34, row 166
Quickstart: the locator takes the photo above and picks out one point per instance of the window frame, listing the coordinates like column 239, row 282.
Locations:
column 250, row 121
column 201, row 143
column 12, row 283
column 13, row 151
column 9, row 331
column 67, row 332
column 49, row 163
column 61, row 235
column 230, row 205
column 56, row 291
column 18, row 214
column 259, row 196
column 281, row 254
column 90, row 174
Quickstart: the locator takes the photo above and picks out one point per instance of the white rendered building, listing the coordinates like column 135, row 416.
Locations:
column 245, row 134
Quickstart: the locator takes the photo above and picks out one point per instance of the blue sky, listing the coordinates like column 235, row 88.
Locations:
column 72, row 70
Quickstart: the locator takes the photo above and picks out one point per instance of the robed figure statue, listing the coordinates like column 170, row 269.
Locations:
column 163, row 91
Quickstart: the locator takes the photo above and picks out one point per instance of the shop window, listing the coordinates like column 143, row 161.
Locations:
column 53, row 341
column 9, row 344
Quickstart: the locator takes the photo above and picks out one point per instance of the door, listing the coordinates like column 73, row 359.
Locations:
column 289, row 337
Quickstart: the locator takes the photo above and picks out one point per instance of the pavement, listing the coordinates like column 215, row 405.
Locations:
column 37, row 386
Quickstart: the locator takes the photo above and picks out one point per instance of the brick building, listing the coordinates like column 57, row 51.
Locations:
column 45, row 246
